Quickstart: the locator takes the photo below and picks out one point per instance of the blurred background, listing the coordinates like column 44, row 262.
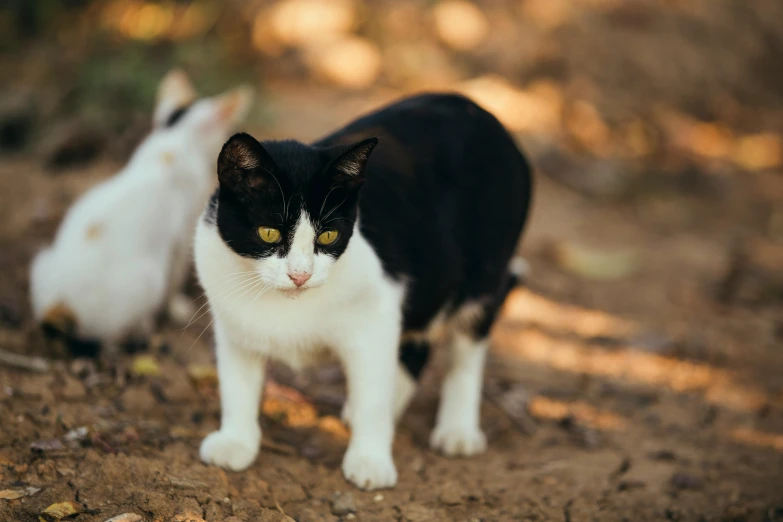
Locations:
column 639, row 373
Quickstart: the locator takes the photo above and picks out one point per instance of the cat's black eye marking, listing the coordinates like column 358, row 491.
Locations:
column 175, row 116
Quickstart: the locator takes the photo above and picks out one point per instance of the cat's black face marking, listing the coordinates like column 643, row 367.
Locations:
column 176, row 116
column 280, row 184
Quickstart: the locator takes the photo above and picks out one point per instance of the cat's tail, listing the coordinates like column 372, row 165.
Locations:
column 60, row 322
column 518, row 271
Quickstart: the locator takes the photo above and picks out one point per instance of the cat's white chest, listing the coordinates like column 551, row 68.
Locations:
column 276, row 322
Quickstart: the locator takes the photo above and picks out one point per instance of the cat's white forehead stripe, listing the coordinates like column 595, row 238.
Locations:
column 300, row 257
column 303, row 233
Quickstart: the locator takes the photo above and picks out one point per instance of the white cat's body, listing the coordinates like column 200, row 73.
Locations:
column 123, row 249
column 117, row 246
column 355, row 314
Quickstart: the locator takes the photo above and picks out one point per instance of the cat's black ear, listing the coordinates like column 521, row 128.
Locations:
column 243, row 160
column 348, row 167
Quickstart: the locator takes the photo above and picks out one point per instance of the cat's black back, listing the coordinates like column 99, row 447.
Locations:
column 445, row 199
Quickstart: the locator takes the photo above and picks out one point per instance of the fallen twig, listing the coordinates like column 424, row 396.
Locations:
column 24, row 362
column 520, row 418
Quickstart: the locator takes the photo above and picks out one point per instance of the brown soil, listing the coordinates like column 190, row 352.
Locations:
column 641, row 398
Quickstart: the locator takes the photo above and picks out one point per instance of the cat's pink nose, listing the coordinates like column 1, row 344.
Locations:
column 299, row 278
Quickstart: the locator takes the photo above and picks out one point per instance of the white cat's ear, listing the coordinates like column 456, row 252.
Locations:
column 244, row 161
column 174, row 92
column 348, row 167
column 233, row 106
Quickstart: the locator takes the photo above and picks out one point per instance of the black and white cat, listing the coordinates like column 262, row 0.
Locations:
column 372, row 257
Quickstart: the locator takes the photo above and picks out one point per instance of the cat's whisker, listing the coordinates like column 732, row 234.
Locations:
column 199, row 297
column 335, row 219
column 202, row 333
column 237, row 283
column 214, row 316
column 324, row 203
column 237, row 277
column 282, row 194
column 239, row 273
column 230, row 291
column 336, row 207
column 289, row 202
column 257, row 282
column 249, row 286
column 259, row 294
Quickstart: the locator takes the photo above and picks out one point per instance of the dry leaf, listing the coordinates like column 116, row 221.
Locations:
column 13, row 494
column 59, row 511
column 145, row 365
column 759, row 151
column 288, row 406
column 203, row 375
column 596, row 264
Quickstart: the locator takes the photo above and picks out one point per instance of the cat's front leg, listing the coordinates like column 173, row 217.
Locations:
column 370, row 360
column 241, row 374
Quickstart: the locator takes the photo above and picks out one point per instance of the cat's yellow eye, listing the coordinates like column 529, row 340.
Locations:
column 269, row 235
column 328, row 237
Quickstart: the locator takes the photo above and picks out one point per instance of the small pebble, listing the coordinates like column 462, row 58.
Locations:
column 450, row 495
column 344, row 504
column 686, row 481
column 46, row 445
column 377, row 498
column 125, row 517
column 627, row 485
column 666, row 455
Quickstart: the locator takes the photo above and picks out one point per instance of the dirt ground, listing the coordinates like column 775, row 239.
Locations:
column 654, row 396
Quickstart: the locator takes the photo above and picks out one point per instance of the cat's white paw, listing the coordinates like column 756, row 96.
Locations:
column 230, row 451
column 181, row 309
column 369, row 470
column 458, row 441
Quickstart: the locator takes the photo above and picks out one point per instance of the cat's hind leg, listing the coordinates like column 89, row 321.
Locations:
column 457, row 430
column 414, row 355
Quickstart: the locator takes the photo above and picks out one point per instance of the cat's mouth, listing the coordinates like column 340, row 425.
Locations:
column 293, row 293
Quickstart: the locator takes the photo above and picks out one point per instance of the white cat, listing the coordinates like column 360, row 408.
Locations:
column 123, row 250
